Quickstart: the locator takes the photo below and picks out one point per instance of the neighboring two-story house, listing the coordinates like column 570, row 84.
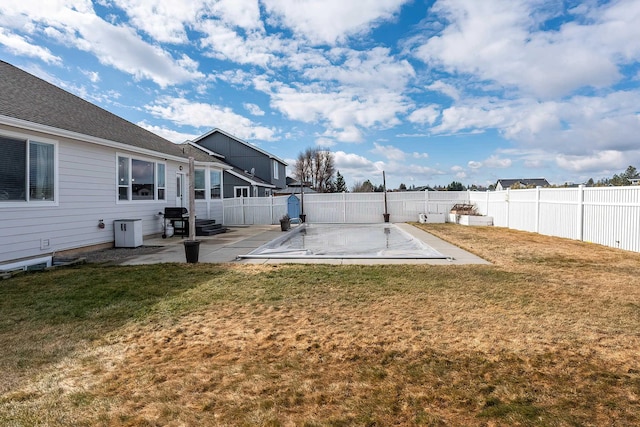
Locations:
column 254, row 173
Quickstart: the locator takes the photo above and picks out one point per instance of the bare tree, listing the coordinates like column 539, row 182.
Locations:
column 315, row 167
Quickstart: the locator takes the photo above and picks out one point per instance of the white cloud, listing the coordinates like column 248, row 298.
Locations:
column 389, row 151
column 318, row 21
column 578, row 125
column 417, row 155
column 497, row 162
column 424, row 115
column 223, row 42
column 170, row 134
column 93, row 76
column 343, row 112
column 374, row 68
column 75, row 23
column 253, row 109
column 162, row 20
column 19, row 45
column 598, row 161
column 168, row 22
column 474, row 165
column 350, row 161
column 493, row 161
column 207, row 116
column 445, row 88
column 325, row 142
column 500, row 41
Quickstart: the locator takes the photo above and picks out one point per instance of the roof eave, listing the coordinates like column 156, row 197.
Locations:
column 249, row 180
column 63, row 133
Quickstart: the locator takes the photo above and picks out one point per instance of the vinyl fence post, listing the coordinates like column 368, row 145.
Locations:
column 426, row 201
column 537, row 224
column 487, row 210
column 506, row 200
column 581, row 212
column 344, row 207
column 271, row 208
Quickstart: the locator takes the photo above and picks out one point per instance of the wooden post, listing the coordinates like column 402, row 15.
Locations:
column 192, row 201
column 384, row 189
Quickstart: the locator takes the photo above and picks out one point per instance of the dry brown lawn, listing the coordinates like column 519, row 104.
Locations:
column 548, row 335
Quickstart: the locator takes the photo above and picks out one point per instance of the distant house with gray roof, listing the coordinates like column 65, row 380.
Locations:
column 255, row 172
column 69, row 168
column 503, row 184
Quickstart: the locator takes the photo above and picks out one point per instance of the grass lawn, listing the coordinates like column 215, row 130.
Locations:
column 549, row 335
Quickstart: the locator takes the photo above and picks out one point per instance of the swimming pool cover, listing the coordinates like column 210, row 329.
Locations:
column 346, row 241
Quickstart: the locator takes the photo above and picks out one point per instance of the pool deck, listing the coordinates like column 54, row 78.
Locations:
column 226, row 247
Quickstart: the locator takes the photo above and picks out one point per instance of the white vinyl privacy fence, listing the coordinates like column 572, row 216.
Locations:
column 605, row 215
column 608, row 216
column 350, row 208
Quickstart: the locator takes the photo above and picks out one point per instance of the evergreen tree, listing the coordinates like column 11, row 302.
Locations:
column 455, row 186
column 341, row 186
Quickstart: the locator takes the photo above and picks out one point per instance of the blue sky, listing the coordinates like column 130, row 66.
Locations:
column 428, row 91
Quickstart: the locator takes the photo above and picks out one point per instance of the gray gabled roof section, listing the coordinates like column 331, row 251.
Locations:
column 28, row 98
column 251, row 179
column 258, row 149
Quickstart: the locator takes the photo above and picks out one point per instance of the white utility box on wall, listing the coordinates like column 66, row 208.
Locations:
column 128, row 233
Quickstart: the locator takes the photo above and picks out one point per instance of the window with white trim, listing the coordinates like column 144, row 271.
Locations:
column 241, row 191
column 162, row 181
column 140, row 179
column 216, row 183
column 27, row 170
column 199, row 184
column 276, row 173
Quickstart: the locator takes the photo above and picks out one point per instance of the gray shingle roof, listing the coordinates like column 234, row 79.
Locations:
column 27, row 97
column 523, row 181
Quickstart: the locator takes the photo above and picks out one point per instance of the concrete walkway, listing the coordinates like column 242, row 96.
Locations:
column 241, row 240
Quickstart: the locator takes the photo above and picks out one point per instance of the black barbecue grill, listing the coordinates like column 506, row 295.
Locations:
column 179, row 218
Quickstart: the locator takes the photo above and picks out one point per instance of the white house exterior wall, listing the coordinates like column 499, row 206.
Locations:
column 86, row 194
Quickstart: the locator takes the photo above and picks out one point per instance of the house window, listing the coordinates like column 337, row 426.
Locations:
column 161, row 181
column 241, row 191
column 141, row 179
column 199, row 184
column 215, row 177
column 275, row 169
column 267, row 192
column 27, row 170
